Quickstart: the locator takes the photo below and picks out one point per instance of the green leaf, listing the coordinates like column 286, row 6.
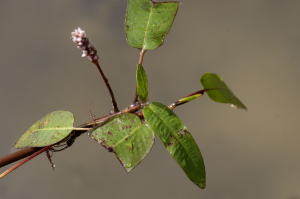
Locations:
column 126, row 136
column 179, row 142
column 148, row 22
column 49, row 130
column 222, row 94
column 142, row 84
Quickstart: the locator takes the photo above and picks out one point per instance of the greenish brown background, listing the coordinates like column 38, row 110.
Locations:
column 254, row 45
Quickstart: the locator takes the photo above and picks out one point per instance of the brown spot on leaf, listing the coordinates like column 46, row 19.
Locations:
column 130, row 148
column 110, row 149
column 46, row 122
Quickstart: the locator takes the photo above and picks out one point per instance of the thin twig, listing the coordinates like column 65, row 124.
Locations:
column 142, row 56
column 131, row 109
column 17, row 156
column 114, row 103
column 26, row 160
column 29, row 151
column 88, row 50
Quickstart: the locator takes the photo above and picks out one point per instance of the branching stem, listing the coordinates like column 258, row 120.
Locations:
column 29, row 151
column 17, row 156
column 26, row 160
column 131, row 109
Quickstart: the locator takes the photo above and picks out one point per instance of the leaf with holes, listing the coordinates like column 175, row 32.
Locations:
column 222, row 93
column 49, row 130
column 148, row 22
column 179, row 142
column 142, row 84
column 126, row 136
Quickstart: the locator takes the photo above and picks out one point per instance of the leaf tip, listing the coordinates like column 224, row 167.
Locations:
column 202, row 185
column 238, row 107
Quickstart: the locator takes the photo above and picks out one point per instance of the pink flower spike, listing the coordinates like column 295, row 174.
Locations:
column 83, row 43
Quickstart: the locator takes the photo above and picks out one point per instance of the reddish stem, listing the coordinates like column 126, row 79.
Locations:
column 17, row 156
column 114, row 103
column 131, row 109
column 141, row 56
column 26, row 160
column 29, row 151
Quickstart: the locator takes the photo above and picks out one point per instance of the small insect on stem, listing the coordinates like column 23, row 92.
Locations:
column 49, row 158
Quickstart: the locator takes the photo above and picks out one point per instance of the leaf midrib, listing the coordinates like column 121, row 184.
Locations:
column 46, row 129
column 174, row 136
column 147, row 26
column 131, row 133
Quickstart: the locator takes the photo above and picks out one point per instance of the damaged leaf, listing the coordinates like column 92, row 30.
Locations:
column 49, row 130
column 179, row 142
column 148, row 22
column 126, row 136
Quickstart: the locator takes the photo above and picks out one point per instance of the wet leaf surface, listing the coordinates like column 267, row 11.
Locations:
column 126, row 136
column 179, row 142
column 49, row 130
column 148, row 23
column 222, row 95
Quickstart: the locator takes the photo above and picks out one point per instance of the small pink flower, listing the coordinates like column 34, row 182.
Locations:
column 83, row 43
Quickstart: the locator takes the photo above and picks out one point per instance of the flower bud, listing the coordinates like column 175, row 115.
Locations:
column 83, row 43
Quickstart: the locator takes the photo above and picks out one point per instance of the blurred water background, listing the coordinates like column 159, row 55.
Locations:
column 254, row 45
